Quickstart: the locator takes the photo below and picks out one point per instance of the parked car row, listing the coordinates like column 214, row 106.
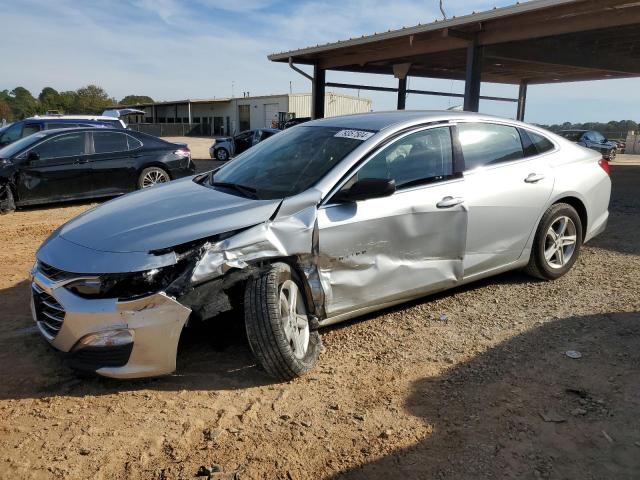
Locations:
column 320, row 223
column 86, row 162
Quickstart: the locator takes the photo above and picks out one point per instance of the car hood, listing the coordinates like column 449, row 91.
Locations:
column 164, row 216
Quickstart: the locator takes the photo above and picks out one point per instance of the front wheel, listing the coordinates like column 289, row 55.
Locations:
column 222, row 154
column 557, row 242
column 277, row 324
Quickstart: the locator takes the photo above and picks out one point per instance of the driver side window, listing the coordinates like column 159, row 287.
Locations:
column 68, row 145
column 426, row 155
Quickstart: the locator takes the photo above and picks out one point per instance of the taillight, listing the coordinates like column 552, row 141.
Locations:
column 604, row 164
column 183, row 152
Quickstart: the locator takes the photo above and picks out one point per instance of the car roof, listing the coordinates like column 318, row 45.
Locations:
column 97, row 118
column 376, row 121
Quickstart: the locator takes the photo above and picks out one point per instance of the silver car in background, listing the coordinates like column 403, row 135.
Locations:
column 323, row 222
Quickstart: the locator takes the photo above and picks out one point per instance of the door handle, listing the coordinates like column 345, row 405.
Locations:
column 448, row 202
column 82, row 160
column 534, row 178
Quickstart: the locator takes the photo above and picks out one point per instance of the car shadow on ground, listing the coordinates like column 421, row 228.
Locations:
column 524, row 409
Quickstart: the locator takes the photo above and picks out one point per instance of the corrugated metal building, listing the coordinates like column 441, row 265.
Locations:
column 223, row 116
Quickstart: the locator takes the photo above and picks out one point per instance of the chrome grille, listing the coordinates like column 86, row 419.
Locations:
column 49, row 313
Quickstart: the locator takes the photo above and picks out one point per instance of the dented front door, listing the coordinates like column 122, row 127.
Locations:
column 380, row 250
column 383, row 250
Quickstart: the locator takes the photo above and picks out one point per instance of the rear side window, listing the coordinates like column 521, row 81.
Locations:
column 133, row 142
column 54, row 125
column 540, row 143
column 488, row 144
column 112, row 123
column 67, row 145
column 29, row 129
column 108, row 142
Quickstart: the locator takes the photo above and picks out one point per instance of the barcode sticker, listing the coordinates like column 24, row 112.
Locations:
column 355, row 134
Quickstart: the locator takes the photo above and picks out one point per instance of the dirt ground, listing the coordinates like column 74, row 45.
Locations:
column 471, row 383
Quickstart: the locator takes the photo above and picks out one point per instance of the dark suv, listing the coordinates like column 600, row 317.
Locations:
column 26, row 127
column 593, row 140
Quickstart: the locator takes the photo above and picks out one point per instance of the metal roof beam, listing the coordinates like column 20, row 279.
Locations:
column 414, row 91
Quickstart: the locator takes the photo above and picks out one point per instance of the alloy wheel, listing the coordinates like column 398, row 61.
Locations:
column 560, row 242
column 293, row 316
column 153, row 177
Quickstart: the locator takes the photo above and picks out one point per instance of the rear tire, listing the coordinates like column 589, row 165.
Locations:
column 557, row 243
column 151, row 176
column 279, row 334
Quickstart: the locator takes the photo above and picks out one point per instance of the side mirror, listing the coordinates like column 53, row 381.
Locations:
column 367, row 188
column 33, row 156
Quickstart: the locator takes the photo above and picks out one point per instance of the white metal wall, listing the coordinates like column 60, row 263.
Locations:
column 335, row 104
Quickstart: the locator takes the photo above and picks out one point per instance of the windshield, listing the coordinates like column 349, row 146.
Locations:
column 10, row 150
column 291, row 161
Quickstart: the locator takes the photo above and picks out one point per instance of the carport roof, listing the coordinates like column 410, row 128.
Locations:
column 541, row 41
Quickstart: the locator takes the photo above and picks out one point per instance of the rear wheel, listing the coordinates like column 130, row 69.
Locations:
column 222, row 154
column 557, row 243
column 277, row 324
column 151, row 176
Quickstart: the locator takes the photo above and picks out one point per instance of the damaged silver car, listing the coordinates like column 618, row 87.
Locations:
column 323, row 222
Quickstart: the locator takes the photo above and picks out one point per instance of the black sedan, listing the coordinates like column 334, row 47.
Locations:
column 79, row 163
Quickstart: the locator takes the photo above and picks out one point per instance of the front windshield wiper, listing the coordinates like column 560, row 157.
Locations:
column 243, row 189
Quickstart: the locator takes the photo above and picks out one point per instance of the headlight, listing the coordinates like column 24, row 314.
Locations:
column 126, row 286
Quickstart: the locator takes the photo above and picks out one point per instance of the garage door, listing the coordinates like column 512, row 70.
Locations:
column 270, row 113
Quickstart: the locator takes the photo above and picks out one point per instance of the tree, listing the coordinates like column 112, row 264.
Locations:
column 49, row 99
column 22, row 103
column 5, row 111
column 135, row 100
column 92, row 99
column 68, row 101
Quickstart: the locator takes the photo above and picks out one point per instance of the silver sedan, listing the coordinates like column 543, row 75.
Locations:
column 320, row 223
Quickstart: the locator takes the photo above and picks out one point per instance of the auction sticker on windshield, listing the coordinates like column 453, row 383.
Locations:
column 355, row 134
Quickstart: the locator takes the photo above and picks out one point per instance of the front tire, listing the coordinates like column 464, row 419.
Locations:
column 277, row 324
column 222, row 154
column 7, row 202
column 557, row 243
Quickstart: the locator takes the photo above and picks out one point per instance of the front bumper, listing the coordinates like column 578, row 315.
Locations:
column 155, row 321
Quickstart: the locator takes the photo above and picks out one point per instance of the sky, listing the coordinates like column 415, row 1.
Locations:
column 172, row 49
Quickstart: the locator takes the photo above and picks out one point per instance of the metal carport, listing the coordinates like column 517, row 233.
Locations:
column 537, row 42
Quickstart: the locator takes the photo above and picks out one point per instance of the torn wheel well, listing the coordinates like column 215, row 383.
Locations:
column 7, row 198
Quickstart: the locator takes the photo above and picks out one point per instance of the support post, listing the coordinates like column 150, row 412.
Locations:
column 522, row 100
column 473, row 77
column 402, row 93
column 189, row 109
column 317, row 92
